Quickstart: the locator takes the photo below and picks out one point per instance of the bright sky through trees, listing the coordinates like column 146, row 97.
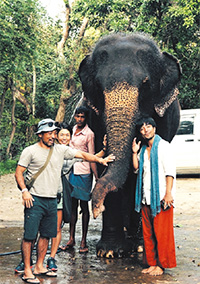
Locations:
column 55, row 8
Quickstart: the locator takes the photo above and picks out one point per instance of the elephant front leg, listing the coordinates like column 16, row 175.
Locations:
column 113, row 242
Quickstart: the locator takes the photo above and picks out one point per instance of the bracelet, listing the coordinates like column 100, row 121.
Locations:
column 25, row 189
column 134, row 152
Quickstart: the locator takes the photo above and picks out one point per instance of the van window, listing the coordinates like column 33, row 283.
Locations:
column 186, row 125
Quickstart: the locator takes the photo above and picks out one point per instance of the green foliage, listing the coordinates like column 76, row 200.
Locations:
column 28, row 40
column 18, row 32
column 7, row 167
column 24, row 135
column 107, row 16
column 173, row 24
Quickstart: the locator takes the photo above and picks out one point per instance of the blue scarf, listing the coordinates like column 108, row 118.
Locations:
column 155, row 195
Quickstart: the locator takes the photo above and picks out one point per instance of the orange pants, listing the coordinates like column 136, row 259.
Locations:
column 158, row 234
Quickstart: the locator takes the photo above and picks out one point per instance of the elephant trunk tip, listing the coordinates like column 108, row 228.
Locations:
column 103, row 186
column 98, row 210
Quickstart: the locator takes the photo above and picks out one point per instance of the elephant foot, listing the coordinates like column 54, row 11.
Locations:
column 103, row 253
column 110, row 254
column 113, row 246
column 107, row 251
column 102, row 188
column 140, row 249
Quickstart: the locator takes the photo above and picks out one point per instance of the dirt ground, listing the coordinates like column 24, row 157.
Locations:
column 75, row 268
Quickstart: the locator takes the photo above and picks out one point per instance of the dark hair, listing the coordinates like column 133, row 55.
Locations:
column 82, row 109
column 64, row 125
column 144, row 120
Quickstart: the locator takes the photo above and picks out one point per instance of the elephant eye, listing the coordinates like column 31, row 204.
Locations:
column 101, row 57
column 145, row 86
column 146, row 79
column 145, row 82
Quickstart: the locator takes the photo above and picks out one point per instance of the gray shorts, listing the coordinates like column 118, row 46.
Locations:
column 41, row 217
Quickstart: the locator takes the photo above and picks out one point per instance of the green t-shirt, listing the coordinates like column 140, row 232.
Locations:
column 34, row 157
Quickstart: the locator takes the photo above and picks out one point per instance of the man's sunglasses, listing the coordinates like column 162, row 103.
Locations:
column 50, row 124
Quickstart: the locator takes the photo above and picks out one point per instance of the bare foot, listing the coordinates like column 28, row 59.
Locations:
column 148, row 270
column 157, row 271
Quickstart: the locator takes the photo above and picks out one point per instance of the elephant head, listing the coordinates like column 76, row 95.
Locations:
column 127, row 76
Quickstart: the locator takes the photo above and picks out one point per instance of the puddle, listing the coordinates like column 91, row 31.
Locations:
column 78, row 268
column 85, row 269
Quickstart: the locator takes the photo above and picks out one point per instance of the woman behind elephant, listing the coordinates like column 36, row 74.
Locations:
column 63, row 137
column 154, row 196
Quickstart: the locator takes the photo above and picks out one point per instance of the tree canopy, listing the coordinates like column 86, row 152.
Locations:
column 39, row 58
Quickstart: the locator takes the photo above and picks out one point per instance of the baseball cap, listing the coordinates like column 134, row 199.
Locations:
column 47, row 125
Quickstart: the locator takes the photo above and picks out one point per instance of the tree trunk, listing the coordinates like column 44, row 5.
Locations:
column 60, row 45
column 68, row 85
column 23, row 100
column 14, row 91
column 67, row 92
column 7, row 84
column 83, row 28
column 34, row 90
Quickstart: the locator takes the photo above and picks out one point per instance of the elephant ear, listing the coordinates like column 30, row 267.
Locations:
column 86, row 75
column 84, row 69
column 168, row 82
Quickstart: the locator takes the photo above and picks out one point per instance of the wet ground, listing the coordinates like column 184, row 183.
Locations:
column 76, row 268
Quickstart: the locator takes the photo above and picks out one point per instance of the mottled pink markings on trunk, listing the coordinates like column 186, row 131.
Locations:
column 121, row 107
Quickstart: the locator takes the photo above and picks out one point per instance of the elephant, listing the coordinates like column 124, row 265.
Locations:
column 125, row 77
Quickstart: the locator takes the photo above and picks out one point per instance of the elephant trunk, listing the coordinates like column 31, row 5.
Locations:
column 121, row 111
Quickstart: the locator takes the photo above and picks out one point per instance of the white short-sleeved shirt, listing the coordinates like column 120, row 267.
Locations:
column 34, row 157
column 166, row 166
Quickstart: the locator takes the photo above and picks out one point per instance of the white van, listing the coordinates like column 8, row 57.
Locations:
column 187, row 143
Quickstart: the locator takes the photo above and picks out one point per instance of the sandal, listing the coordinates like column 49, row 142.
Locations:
column 33, row 280
column 67, row 247
column 48, row 273
column 83, row 249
